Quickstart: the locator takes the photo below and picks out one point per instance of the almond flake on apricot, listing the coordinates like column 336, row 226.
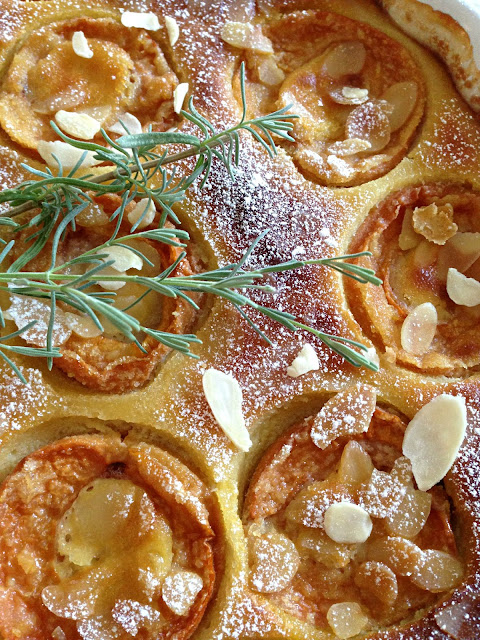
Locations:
column 306, row 360
column 347, row 523
column 347, row 413
column 80, row 45
column 346, row 619
column 418, row 329
column 244, row 35
column 433, row 438
column 140, row 20
column 146, row 208
column 180, row 590
column 78, row 125
column 462, row 290
column 355, row 95
column 172, row 29
column 131, row 122
column 435, row 223
column 224, row 397
column 179, row 96
column 67, row 155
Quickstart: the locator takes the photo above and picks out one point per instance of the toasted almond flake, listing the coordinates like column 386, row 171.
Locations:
column 346, row 619
column 179, row 96
column 462, row 290
column 83, row 326
column 274, row 559
column 342, row 167
column 408, row 238
column 355, row 94
column 244, row 35
column 78, row 125
column 66, row 154
column 224, row 397
column 402, row 96
column 173, row 30
column 140, row 20
column 131, row 122
column 433, row 438
column 349, row 147
column 378, row 581
column 437, row 571
column 347, row 413
column 124, row 259
column 24, row 310
column 346, row 58
column 418, row 329
column 146, row 208
column 347, row 523
column 80, row 45
column 369, row 121
column 269, row 72
column 435, row 223
column 180, row 590
column 306, row 360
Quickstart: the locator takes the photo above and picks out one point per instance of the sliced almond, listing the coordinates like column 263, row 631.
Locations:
column 123, row 258
column 346, row 58
column 418, row 329
column 408, row 238
column 180, row 590
column 80, row 45
column 347, row 523
column 349, row 147
column 67, row 155
column 461, row 251
column 132, row 616
column 402, row 96
column 435, row 223
column 346, row 619
column 245, row 35
column 401, row 555
column 377, row 581
column 347, row 413
column 386, row 491
column 140, row 20
column 462, row 290
column 173, row 30
column 275, row 561
column 269, row 72
column 83, row 326
column 179, row 95
column 349, row 95
column 224, row 397
column 131, row 122
column 369, row 122
column 437, row 571
column 144, row 212
column 412, row 514
column 306, row 360
column 433, row 438
column 24, row 310
column 356, row 466
column 78, row 125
